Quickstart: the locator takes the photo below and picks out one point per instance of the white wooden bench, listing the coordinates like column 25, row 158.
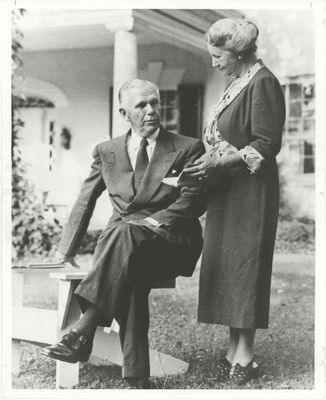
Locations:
column 43, row 327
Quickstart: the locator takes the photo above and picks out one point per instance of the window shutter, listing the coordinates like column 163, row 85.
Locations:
column 191, row 109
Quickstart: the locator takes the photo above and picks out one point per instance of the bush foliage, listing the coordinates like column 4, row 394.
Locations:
column 295, row 236
column 31, row 232
column 89, row 242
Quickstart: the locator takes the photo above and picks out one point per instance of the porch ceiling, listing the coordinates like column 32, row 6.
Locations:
column 53, row 29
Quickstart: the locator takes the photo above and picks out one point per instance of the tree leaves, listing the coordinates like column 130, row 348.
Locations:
column 31, row 233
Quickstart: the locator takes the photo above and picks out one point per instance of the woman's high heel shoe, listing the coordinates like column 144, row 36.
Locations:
column 240, row 375
column 223, row 368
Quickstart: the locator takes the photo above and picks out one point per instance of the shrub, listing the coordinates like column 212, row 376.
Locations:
column 31, row 232
column 89, row 242
column 296, row 236
column 287, row 209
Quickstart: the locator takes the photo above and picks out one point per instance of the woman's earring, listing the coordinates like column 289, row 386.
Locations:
column 240, row 57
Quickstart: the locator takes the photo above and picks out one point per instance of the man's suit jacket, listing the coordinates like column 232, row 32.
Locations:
column 177, row 208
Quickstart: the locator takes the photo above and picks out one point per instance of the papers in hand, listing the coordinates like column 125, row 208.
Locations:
column 182, row 180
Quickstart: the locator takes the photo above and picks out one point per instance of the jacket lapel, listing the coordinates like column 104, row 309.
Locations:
column 119, row 170
column 161, row 161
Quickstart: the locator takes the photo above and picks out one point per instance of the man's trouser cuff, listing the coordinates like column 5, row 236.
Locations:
column 141, row 371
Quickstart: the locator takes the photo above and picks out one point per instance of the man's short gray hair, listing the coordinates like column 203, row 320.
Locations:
column 135, row 83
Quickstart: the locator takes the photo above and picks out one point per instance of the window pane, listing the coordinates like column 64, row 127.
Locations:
column 295, row 109
column 309, row 100
column 163, row 98
column 309, row 159
column 295, row 91
column 171, row 115
column 293, row 161
column 309, row 125
column 308, row 91
column 294, row 125
column 308, row 112
column 169, row 112
column 171, row 98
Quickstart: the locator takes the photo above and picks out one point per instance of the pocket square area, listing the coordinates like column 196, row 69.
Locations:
column 173, row 173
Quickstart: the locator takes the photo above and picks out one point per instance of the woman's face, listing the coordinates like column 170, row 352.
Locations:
column 226, row 61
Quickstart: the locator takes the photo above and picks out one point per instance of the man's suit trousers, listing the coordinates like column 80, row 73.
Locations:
column 127, row 258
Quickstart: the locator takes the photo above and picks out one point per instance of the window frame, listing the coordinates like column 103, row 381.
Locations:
column 300, row 136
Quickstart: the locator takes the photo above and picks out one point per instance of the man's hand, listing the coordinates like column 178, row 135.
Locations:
column 60, row 258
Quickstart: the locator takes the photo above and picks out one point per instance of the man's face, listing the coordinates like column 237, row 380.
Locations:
column 142, row 109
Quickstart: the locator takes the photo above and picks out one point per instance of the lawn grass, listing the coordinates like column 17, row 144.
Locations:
column 285, row 351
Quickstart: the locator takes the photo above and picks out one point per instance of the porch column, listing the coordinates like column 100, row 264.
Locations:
column 125, row 67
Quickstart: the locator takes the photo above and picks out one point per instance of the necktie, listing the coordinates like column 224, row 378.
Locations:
column 141, row 163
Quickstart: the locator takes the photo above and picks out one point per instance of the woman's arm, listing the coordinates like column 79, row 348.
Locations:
column 267, row 117
column 211, row 166
column 267, row 121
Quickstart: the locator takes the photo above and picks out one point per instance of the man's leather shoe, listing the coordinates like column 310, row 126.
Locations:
column 138, row 383
column 73, row 347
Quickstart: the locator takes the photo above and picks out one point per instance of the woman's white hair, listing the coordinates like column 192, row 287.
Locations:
column 233, row 34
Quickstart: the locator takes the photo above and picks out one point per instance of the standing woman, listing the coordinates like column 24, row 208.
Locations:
column 244, row 136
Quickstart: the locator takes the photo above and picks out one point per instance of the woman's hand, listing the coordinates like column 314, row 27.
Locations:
column 205, row 167
column 209, row 168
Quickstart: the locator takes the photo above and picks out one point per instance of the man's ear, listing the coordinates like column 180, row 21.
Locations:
column 124, row 115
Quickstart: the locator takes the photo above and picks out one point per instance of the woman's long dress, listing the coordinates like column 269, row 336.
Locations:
column 242, row 213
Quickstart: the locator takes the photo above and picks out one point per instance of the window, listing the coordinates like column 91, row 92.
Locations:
column 299, row 129
column 38, row 141
column 169, row 110
column 308, row 157
column 181, row 110
column 51, row 146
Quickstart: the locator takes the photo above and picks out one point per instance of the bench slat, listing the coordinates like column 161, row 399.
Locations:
column 79, row 275
column 68, row 275
column 24, row 326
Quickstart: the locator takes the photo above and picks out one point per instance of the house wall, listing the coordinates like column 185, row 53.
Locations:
column 85, row 76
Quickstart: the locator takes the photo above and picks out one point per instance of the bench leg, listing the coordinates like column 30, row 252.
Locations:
column 106, row 347
column 15, row 362
column 68, row 308
column 107, row 350
column 17, row 300
column 67, row 375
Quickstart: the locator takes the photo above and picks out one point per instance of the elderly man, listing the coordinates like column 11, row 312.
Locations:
column 153, row 234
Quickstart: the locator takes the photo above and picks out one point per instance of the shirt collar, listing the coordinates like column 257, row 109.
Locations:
column 136, row 139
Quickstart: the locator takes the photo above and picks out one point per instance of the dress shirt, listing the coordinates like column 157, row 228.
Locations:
column 133, row 146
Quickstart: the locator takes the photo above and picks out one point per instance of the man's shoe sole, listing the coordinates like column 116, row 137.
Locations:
column 58, row 357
